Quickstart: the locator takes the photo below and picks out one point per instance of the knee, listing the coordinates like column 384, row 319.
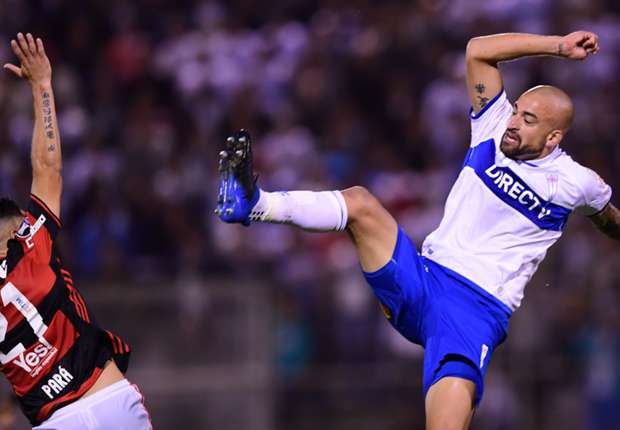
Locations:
column 361, row 204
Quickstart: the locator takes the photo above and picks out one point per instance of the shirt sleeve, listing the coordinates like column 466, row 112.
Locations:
column 43, row 226
column 491, row 120
column 596, row 194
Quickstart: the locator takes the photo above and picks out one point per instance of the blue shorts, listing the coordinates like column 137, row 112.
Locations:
column 457, row 322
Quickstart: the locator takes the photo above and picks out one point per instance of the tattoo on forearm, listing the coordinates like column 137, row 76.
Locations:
column 608, row 222
column 47, row 119
column 560, row 48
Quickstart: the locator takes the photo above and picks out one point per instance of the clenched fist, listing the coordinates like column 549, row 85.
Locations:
column 578, row 45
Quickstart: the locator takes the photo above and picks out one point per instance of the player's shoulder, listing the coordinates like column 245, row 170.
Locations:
column 575, row 179
column 574, row 172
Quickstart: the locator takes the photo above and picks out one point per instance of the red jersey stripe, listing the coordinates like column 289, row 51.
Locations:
column 114, row 345
column 79, row 306
column 77, row 299
column 122, row 344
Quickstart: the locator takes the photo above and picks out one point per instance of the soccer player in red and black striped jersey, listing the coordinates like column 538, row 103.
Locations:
column 66, row 371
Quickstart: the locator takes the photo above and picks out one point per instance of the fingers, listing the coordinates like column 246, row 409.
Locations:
column 40, row 46
column 13, row 68
column 18, row 51
column 591, row 48
column 589, row 43
column 594, row 48
column 26, row 48
column 31, row 46
column 23, row 44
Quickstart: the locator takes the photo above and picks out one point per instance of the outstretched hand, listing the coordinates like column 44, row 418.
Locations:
column 578, row 45
column 35, row 66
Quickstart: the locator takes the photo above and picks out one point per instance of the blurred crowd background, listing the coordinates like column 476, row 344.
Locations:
column 268, row 328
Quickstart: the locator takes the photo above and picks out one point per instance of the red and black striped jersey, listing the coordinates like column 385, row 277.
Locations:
column 51, row 349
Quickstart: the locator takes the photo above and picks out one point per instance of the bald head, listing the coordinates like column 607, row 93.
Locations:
column 553, row 104
column 540, row 119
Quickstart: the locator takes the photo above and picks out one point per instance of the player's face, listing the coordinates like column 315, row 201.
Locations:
column 528, row 131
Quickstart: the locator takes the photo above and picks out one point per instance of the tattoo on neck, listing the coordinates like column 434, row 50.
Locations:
column 480, row 88
column 483, row 101
column 47, row 117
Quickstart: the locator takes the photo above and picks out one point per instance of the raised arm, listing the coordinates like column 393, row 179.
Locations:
column 45, row 153
column 608, row 221
column 483, row 55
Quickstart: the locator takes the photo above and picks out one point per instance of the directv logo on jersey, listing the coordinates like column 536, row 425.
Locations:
column 57, row 382
column 513, row 190
column 516, row 190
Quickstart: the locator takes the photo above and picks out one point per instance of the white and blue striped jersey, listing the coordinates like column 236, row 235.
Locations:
column 502, row 215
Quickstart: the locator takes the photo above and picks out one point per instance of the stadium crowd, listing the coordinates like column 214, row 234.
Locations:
column 336, row 93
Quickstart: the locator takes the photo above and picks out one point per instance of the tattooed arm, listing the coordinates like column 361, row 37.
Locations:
column 45, row 153
column 608, row 221
column 485, row 53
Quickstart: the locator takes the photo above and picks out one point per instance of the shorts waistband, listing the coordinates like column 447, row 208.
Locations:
column 491, row 299
column 93, row 399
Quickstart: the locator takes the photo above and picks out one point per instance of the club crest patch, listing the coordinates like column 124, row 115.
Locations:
column 24, row 230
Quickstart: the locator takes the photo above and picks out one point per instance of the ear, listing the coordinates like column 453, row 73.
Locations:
column 554, row 138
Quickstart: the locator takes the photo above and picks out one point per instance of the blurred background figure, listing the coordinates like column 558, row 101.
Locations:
column 272, row 328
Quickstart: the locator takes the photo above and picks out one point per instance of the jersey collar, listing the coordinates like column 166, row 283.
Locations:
column 540, row 162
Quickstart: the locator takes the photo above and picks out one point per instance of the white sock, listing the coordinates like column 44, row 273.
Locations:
column 313, row 211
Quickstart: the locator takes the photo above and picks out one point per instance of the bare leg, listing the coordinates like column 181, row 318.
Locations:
column 449, row 404
column 371, row 228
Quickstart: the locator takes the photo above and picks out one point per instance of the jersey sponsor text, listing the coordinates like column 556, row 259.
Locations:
column 57, row 382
